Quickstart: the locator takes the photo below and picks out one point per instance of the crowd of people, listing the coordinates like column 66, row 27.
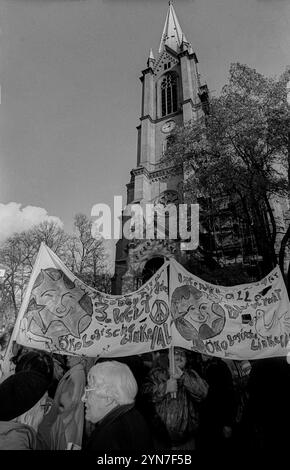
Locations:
column 141, row 403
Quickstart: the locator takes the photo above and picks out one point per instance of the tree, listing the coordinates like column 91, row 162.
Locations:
column 236, row 156
column 87, row 257
column 81, row 252
column 18, row 254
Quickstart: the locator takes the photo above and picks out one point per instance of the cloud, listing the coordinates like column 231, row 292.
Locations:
column 14, row 218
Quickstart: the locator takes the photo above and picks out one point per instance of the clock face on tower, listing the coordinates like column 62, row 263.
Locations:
column 168, row 126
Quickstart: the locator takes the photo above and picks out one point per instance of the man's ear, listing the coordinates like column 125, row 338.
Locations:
column 111, row 400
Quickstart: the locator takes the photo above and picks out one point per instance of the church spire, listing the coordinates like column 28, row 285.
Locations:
column 172, row 35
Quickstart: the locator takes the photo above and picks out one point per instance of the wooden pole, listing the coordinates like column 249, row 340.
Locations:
column 171, row 367
column 171, row 349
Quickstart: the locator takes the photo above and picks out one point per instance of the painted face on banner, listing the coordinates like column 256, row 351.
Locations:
column 57, row 306
column 195, row 316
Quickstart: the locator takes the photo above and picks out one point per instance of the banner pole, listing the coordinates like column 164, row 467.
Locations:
column 171, row 349
column 171, row 367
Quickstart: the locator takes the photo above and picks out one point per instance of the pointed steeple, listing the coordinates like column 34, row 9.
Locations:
column 172, row 35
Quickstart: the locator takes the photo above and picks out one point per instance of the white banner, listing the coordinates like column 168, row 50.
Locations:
column 248, row 321
column 61, row 314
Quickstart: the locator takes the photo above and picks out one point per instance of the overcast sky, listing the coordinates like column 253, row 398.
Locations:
column 71, row 93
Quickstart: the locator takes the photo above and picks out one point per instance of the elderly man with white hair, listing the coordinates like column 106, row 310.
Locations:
column 110, row 403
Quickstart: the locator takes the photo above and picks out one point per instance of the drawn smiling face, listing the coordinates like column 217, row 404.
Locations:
column 184, row 301
column 57, row 306
column 192, row 310
column 57, row 300
column 200, row 315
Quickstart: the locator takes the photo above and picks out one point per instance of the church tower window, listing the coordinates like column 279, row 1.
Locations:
column 169, row 94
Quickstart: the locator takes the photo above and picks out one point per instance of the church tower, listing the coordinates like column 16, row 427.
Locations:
column 172, row 95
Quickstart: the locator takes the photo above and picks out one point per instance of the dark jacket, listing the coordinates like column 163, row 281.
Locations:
column 267, row 415
column 219, row 407
column 180, row 415
column 124, row 428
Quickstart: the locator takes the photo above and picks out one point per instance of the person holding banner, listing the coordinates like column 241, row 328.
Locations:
column 110, row 404
column 176, row 401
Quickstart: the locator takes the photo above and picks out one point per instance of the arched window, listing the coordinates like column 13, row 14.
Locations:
column 169, row 94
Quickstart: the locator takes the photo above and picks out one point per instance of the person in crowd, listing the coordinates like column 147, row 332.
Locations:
column 39, row 361
column 176, row 401
column 240, row 370
column 23, row 400
column 110, row 404
column 218, row 411
column 139, row 370
column 36, row 360
column 267, row 414
column 63, row 426
column 60, row 367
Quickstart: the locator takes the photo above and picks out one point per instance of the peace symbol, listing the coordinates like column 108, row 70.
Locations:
column 159, row 312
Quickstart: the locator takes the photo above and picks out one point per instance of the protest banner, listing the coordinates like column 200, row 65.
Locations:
column 62, row 314
column 248, row 321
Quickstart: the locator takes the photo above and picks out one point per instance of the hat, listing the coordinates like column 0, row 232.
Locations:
column 20, row 392
column 38, row 361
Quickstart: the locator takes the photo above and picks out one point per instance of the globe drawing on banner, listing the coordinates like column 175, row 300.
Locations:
column 195, row 318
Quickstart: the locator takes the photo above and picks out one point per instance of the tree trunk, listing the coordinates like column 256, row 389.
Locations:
column 284, row 241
